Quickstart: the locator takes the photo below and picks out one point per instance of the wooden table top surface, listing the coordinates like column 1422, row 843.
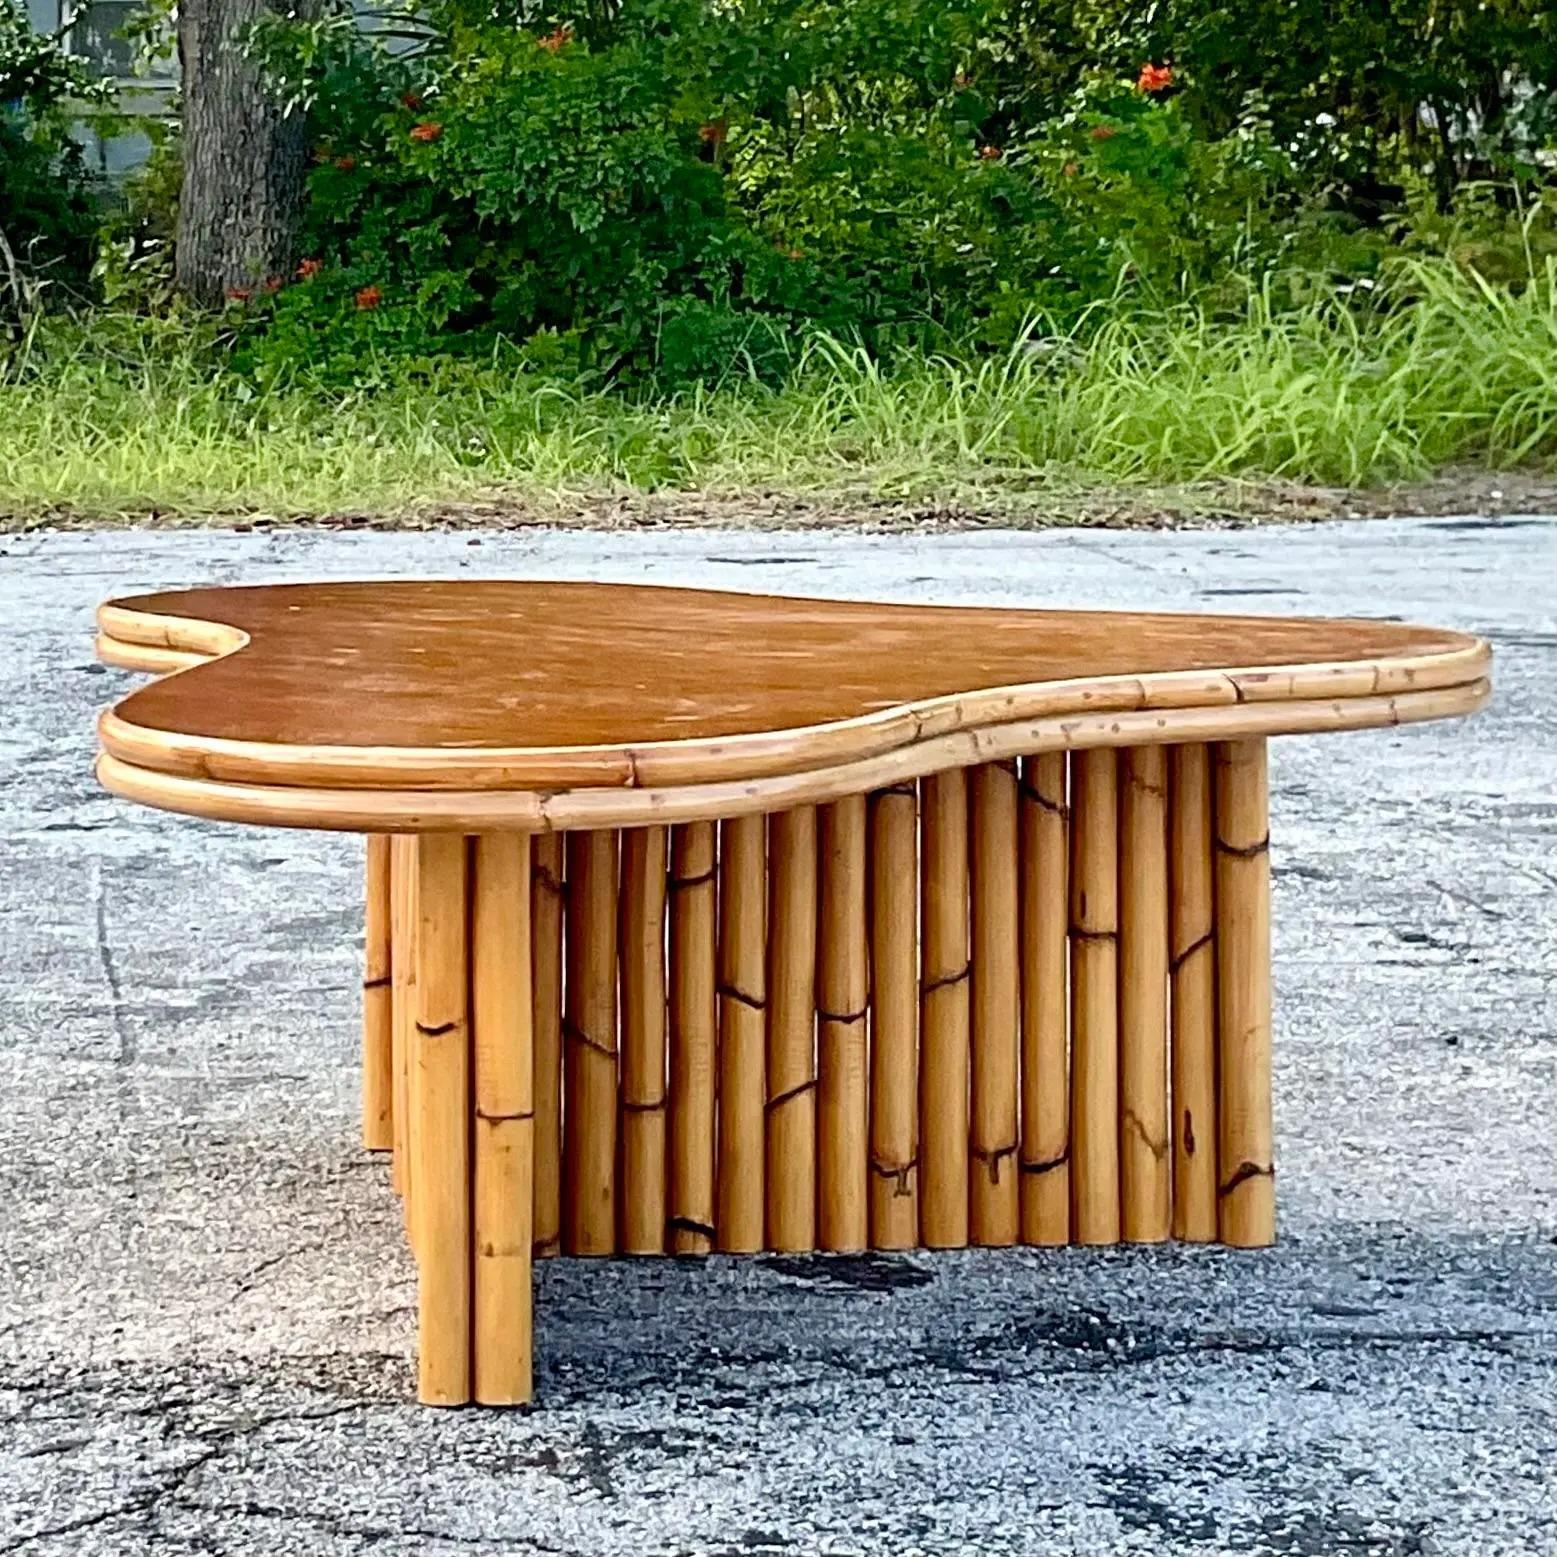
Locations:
column 510, row 685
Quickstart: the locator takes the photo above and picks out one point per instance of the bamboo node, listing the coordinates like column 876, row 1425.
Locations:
column 1180, row 958
column 789, row 1094
column 703, row 879
column 1248, row 851
column 436, row 1032
column 843, row 1018
column 1246, row 1171
column 689, row 1224
column 898, row 1172
column 1044, row 1164
column 491, row 1118
column 573, row 1031
column 946, row 980
column 1030, row 791
column 382, row 983
column 730, row 992
column 1078, row 933
column 992, row 1155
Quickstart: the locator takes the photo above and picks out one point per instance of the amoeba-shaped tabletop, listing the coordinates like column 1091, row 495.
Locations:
column 540, row 706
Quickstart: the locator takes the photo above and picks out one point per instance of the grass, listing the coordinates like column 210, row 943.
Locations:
column 1439, row 368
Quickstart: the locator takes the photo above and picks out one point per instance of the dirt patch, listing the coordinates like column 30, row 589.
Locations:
column 1203, row 505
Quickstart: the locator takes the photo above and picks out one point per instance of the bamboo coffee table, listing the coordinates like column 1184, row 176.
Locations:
column 703, row 921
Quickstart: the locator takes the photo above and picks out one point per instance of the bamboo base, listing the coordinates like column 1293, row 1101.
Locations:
column 994, row 1007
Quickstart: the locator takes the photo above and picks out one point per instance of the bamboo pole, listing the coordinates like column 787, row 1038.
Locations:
column 693, row 1027
column 843, row 1006
column 378, row 1060
column 502, row 1014
column 1193, row 987
column 440, row 1126
column 1094, row 929
column 546, row 898
column 641, row 1201
column 790, row 1167
column 590, row 1047
column 743, row 987
column 1045, row 874
column 894, row 1049
column 993, row 1141
column 1247, row 1198
column 1143, row 995
column 943, row 1022
column 402, row 871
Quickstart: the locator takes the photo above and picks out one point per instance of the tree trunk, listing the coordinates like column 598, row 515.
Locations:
column 244, row 161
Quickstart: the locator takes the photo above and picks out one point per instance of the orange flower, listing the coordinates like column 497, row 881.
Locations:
column 1071, row 169
column 239, row 294
column 272, row 284
column 1155, row 78
column 346, row 164
column 369, row 297
column 1103, row 132
column 426, row 132
column 309, row 268
column 989, row 153
column 558, row 39
column 412, row 100
column 714, row 133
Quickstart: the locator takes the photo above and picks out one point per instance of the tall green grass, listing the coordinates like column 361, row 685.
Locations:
column 1436, row 368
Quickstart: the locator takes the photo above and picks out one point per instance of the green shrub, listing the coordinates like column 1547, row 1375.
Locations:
column 48, row 218
column 677, row 193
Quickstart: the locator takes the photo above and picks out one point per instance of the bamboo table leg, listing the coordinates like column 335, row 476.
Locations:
column 440, row 1122
column 378, row 1060
column 868, row 1091
column 1094, row 935
column 1193, row 979
column 1045, row 873
column 693, row 1028
column 1247, row 1198
column 503, row 1125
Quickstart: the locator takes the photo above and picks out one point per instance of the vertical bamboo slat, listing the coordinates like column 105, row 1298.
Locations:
column 1045, row 872
column 440, row 1128
column 1247, row 1199
column 790, row 1172
column 590, row 1047
column 402, row 929
column 641, row 1200
column 1143, row 996
column 943, row 1025
column 502, row 1014
column 693, row 1018
column 843, row 995
column 993, row 1194
column 742, row 1033
column 1193, row 980
column 1094, row 928
column 546, row 894
column 894, row 1038
column 378, row 1060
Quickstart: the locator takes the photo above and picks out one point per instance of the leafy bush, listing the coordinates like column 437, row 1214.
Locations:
column 683, row 192
column 48, row 219
column 673, row 193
